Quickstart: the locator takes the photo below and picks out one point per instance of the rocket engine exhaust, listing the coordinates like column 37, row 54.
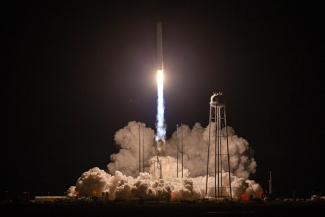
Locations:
column 161, row 131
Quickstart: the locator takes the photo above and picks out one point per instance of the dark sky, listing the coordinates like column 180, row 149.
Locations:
column 75, row 73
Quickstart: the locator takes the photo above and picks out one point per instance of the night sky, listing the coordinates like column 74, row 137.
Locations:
column 75, row 73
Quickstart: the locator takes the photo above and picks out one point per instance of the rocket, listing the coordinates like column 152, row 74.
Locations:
column 161, row 128
column 160, row 64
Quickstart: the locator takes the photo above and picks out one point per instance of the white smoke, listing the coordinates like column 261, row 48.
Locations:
column 127, row 160
column 92, row 182
column 159, row 180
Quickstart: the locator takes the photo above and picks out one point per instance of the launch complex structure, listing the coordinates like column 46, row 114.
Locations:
column 216, row 135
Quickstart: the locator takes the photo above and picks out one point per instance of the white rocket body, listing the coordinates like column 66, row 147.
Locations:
column 160, row 64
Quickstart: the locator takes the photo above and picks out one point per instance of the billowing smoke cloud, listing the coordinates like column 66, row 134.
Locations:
column 193, row 145
column 129, row 139
column 125, row 181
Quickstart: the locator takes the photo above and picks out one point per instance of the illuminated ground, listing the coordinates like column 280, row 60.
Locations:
column 182, row 209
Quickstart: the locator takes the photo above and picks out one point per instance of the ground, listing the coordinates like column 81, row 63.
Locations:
column 181, row 209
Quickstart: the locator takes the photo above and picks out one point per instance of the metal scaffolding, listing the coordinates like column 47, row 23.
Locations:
column 218, row 134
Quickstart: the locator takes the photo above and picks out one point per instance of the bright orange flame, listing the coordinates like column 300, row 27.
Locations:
column 260, row 194
column 244, row 197
column 173, row 196
column 94, row 193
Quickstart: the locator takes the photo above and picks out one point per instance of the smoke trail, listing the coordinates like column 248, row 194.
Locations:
column 161, row 131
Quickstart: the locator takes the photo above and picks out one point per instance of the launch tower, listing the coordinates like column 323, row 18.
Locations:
column 218, row 138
